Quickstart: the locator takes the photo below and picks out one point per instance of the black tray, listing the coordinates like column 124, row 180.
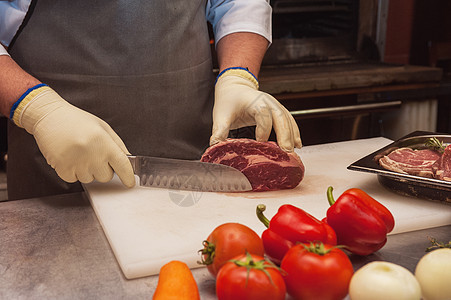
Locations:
column 405, row 184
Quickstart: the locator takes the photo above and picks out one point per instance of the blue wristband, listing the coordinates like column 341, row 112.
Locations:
column 235, row 68
column 13, row 108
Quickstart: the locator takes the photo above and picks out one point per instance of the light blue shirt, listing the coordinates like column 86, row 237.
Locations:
column 229, row 16
column 226, row 16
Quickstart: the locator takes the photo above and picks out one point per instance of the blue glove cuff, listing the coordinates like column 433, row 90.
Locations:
column 236, row 68
column 16, row 104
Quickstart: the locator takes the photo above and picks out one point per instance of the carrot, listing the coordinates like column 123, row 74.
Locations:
column 176, row 282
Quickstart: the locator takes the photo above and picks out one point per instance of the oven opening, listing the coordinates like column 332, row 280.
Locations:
column 326, row 66
column 313, row 31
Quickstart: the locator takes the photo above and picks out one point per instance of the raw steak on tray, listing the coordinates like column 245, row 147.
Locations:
column 442, row 167
column 428, row 163
column 410, row 161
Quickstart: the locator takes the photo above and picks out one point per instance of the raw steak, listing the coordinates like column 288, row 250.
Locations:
column 442, row 167
column 266, row 166
column 409, row 161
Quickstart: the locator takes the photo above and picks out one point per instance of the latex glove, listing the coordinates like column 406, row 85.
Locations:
column 77, row 144
column 239, row 103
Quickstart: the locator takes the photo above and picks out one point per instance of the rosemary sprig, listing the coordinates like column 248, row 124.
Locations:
column 436, row 244
column 435, row 144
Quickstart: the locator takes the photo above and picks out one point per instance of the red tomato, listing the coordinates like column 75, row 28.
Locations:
column 250, row 277
column 317, row 271
column 227, row 241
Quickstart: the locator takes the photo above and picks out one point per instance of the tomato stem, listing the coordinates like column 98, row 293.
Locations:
column 330, row 196
column 208, row 253
column 261, row 265
column 260, row 209
column 318, row 248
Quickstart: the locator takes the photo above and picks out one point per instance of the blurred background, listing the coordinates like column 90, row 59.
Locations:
column 351, row 69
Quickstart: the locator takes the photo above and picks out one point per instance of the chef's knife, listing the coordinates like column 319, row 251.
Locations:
column 188, row 175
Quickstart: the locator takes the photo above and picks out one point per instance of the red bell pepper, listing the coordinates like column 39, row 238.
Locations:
column 289, row 226
column 360, row 222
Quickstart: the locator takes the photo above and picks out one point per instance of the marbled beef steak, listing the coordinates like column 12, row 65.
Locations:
column 410, row 161
column 266, row 166
column 425, row 162
column 442, row 167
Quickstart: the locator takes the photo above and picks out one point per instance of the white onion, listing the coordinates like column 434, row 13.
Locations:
column 433, row 272
column 383, row 280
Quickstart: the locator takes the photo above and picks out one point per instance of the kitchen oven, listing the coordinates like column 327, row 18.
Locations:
column 313, row 31
column 326, row 65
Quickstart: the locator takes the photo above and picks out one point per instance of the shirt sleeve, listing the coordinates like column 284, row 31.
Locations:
column 3, row 50
column 12, row 14
column 230, row 16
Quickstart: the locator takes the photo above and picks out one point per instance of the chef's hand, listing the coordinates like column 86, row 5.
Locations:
column 77, row 144
column 239, row 103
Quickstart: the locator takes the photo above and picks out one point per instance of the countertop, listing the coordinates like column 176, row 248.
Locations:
column 54, row 248
column 347, row 77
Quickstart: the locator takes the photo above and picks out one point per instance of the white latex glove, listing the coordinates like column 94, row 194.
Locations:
column 239, row 103
column 77, row 144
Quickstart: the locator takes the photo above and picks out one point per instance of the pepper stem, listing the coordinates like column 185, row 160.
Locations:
column 330, row 196
column 260, row 209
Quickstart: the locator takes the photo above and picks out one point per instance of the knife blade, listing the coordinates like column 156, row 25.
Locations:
column 188, row 175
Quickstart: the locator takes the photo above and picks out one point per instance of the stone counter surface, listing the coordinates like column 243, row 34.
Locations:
column 54, row 248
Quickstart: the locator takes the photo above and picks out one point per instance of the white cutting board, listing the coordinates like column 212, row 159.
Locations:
column 148, row 227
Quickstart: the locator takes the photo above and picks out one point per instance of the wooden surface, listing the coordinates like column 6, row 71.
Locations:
column 313, row 78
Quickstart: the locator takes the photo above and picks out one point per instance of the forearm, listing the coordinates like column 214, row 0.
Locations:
column 239, row 103
column 14, row 81
column 242, row 49
column 77, row 144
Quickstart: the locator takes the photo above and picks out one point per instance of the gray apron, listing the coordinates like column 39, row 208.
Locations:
column 142, row 66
